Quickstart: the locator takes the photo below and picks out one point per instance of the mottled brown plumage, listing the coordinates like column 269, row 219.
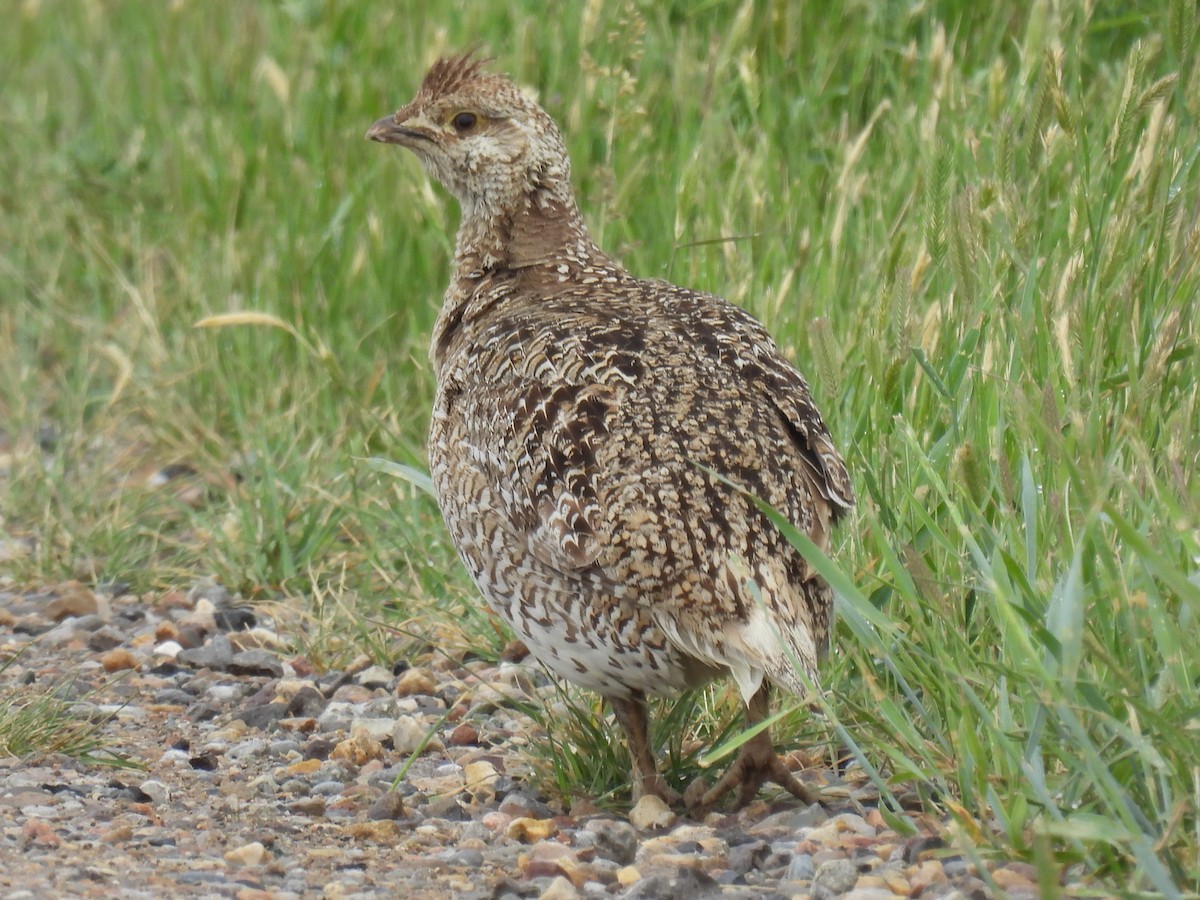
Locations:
column 579, row 416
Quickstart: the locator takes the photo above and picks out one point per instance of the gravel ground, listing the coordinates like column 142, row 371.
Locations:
column 259, row 778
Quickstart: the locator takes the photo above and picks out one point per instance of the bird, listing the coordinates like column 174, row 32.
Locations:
column 597, row 442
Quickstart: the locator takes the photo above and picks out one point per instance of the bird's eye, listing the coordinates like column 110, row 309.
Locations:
column 463, row 122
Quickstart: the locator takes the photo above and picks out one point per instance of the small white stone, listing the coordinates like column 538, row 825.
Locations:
column 169, row 649
column 651, row 812
column 378, row 729
column 156, row 791
column 480, row 777
column 251, row 854
column 560, row 889
column 408, row 733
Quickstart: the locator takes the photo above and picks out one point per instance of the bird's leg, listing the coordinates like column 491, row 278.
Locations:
column 631, row 713
column 756, row 763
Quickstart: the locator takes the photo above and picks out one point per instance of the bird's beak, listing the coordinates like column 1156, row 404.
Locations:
column 388, row 131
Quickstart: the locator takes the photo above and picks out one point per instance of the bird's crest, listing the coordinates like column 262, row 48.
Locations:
column 450, row 73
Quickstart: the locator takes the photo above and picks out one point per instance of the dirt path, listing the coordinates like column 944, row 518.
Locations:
column 254, row 777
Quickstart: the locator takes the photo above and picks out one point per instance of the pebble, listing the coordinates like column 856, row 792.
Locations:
column 560, row 889
column 801, row 868
column 252, row 854
column 158, row 792
column 409, row 733
column 650, row 812
column 529, row 830
column 374, row 677
column 834, row 878
column 415, row 681
column 265, row 778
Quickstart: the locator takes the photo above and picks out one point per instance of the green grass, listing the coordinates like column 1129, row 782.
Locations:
column 974, row 226
column 44, row 718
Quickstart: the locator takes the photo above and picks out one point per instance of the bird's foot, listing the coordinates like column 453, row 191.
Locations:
column 756, row 764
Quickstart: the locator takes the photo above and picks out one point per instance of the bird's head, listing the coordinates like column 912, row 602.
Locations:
column 481, row 137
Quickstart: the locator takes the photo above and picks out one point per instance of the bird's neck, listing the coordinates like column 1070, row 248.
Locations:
column 500, row 254
column 543, row 229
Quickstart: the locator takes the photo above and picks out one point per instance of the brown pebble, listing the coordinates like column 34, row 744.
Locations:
column 496, row 821
column 379, row 830
column 35, row 831
column 118, row 659
column 303, row 767
column 302, row 666
column 388, row 806
column 191, row 636
column 252, row 854
column 529, row 830
column 72, row 599
column 1027, row 869
column 169, row 600
column 464, row 735
column 545, row 859
column 1011, row 878
column 415, row 681
column 166, row 631
column 358, row 749
column 308, row 806
column 352, row 693
column 925, row 876
column 584, row 807
column 515, row 651
column 117, row 835
column 861, row 842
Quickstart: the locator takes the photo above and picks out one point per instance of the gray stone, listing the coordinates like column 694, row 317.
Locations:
column 614, row 839
column 216, row 654
column 158, row 792
column 374, row 677
column 327, row 788
column 378, row 729
column 262, row 717
column 685, row 882
column 801, row 868
column 790, row 821
column 747, row 856
column 469, row 857
column 834, row 878
column 306, row 702
column 256, row 662
column 253, row 748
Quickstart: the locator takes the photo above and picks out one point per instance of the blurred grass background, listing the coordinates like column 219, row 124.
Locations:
column 974, row 226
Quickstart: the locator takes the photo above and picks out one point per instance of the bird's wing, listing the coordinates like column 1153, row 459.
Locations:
column 791, row 396
column 742, row 344
column 550, row 432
